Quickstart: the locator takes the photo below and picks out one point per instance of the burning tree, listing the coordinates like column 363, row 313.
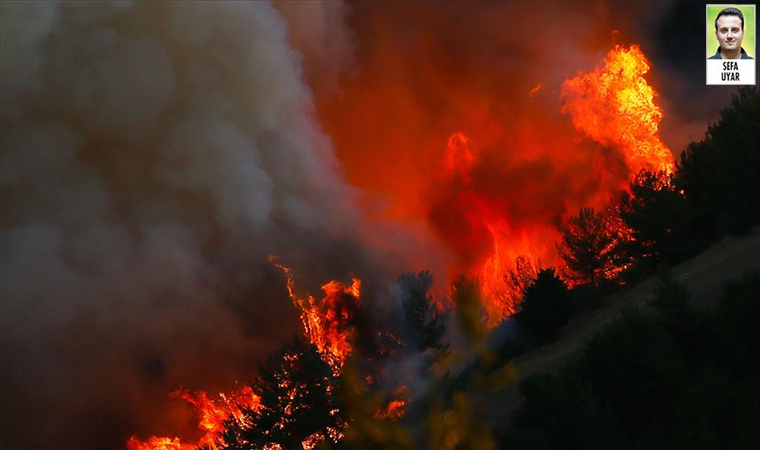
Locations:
column 297, row 407
column 214, row 417
column 522, row 275
column 327, row 323
column 590, row 246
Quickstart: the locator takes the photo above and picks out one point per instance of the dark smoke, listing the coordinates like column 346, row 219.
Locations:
column 153, row 156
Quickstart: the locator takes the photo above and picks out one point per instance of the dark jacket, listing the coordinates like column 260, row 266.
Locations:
column 717, row 55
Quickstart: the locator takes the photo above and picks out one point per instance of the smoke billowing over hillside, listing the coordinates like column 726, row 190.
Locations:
column 155, row 154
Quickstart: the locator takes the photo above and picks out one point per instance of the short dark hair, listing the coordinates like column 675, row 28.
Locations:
column 730, row 12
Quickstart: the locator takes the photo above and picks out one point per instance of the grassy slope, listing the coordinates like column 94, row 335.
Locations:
column 704, row 276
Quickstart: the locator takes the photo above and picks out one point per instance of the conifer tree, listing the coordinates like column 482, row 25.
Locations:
column 296, row 388
column 589, row 247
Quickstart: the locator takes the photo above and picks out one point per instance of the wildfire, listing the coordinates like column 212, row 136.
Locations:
column 487, row 225
column 614, row 106
column 213, row 415
column 509, row 265
column 327, row 323
column 503, row 279
column 459, row 158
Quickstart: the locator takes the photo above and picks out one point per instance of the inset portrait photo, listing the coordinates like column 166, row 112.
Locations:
column 730, row 36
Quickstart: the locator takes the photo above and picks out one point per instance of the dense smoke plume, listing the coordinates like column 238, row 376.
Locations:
column 153, row 156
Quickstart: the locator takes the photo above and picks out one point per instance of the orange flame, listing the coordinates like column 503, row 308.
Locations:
column 614, row 106
column 503, row 278
column 459, row 158
column 213, row 415
column 394, row 410
column 157, row 443
column 327, row 324
column 500, row 285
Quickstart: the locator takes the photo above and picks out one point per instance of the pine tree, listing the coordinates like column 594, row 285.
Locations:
column 721, row 174
column 659, row 218
column 296, row 388
column 589, row 247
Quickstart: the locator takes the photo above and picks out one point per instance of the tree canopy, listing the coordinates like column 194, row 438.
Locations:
column 589, row 245
column 295, row 386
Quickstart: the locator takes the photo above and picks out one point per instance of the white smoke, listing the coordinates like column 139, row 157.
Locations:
column 153, row 155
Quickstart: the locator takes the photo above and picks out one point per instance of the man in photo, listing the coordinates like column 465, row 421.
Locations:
column 729, row 30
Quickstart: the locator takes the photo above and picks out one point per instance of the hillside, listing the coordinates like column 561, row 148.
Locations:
column 704, row 276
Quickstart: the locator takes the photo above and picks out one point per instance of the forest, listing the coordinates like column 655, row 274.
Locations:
column 669, row 375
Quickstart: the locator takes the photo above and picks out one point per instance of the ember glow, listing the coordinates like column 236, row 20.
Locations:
column 212, row 416
column 395, row 408
column 157, row 443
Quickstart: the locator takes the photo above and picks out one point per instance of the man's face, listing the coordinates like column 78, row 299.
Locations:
column 729, row 32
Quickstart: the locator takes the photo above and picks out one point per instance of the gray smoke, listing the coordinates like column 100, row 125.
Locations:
column 317, row 29
column 153, row 156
